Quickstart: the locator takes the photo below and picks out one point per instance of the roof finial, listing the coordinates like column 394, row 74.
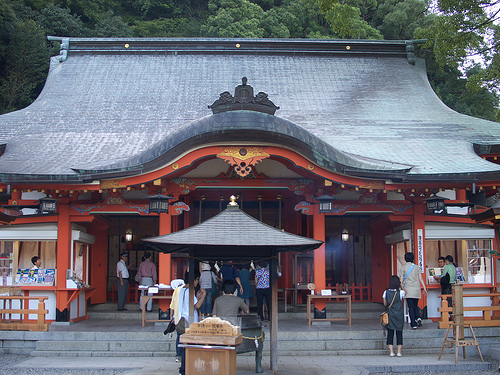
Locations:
column 233, row 203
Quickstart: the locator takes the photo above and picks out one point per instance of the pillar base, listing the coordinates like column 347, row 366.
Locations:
column 62, row 316
column 320, row 314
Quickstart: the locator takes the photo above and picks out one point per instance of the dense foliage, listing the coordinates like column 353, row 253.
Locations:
column 454, row 30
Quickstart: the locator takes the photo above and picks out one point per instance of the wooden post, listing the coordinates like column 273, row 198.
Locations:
column 273, row 267
column 191, row 286
column 164, row 260
column 457, row 298
column 319, row 257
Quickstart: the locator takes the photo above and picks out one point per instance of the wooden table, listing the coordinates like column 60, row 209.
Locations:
column 145, row 300
column 312, row 297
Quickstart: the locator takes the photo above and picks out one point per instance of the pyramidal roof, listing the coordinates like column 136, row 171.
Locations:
column 235, row 230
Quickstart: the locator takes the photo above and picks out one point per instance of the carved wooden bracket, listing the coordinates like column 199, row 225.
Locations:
column 243, row 158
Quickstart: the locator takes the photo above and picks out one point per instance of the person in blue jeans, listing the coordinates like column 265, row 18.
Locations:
column 207, row 277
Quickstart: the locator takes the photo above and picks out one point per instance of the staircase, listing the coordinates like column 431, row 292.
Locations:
column 121, row 335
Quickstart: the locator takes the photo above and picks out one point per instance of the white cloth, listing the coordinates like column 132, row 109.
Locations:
column 184, row 305
column 121, row 266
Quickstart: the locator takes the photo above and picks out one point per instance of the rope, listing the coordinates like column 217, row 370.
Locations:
column 254, row 338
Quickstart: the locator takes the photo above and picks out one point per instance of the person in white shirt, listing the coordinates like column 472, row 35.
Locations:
column 37, row 262
column 122, row 282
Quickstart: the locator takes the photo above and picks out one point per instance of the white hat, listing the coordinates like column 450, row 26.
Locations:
column 205, row 266
column 176, row 283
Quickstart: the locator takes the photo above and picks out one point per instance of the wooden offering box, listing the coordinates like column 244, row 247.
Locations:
column 212, row 331
column 211, row 347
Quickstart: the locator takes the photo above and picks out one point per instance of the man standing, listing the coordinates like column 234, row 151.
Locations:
column 411, row 278
column 122, row 275
column 147, row 276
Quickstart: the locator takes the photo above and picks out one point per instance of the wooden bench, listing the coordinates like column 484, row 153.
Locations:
column 8, row 323
column 487, row 319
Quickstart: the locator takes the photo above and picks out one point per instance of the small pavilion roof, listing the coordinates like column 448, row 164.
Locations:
column 118, row 107
column 231, row 234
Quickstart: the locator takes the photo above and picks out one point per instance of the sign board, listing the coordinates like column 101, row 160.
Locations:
column 420, row 248
column 213, row 327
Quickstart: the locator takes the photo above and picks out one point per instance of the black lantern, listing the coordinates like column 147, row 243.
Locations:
column 47, row 205
column 434, row 203
column 159, row 203
column 325, row 204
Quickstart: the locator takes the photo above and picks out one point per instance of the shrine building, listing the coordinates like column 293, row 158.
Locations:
column 343, row 141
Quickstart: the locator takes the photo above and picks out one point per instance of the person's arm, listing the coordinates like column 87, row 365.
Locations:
column 239, row 283
column 121, row 278
column 244, row 307
column 200, row 300
column 422, row 282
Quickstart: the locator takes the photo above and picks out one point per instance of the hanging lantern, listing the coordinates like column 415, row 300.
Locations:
column 434, row 203
column 345, row 235
column 159, row 203
column 47, row 205
column 325, row 204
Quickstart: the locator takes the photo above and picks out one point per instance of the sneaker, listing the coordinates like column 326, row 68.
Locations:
column 399, row 355
column 419, row 322
column 414, row 327
column 392, row 355
column 178, row 359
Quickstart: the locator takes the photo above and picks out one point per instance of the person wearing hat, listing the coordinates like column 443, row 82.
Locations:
column 122, row 275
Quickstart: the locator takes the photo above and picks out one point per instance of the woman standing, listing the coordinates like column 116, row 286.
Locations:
column 262, row 290
column 207, row 277
column 393, row 301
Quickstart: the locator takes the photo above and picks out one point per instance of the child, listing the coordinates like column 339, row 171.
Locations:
column 393, row 300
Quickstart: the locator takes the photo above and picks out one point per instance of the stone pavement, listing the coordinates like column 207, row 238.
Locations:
column 290, row 365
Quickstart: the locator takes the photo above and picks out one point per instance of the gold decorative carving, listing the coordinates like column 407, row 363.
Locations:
column 311, row 167
column 157, row 182
column 111, row 184
column 175, row 166
column 243, row 158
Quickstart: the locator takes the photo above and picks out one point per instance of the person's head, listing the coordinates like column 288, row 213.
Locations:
column 205, row 266
column 36, row 261
column 262, row 264
column 409, row 257
column 229, row 287
column 449, row 259
column 441, row 262
column 394, row 282
column 124, row 256
column 147, row 255
column 196, row 277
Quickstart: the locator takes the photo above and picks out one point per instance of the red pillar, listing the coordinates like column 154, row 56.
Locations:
column 99, row 263
column 164, row 260
column 63, row 262
column 319, row 257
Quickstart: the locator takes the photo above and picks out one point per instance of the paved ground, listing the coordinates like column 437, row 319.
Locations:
column 318, row 365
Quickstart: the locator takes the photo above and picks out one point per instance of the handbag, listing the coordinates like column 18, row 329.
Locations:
column 170, row 328
column 384, row 317
column 180, row 327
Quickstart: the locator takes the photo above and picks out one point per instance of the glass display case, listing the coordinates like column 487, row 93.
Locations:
column 478, row 262
column 6, row 263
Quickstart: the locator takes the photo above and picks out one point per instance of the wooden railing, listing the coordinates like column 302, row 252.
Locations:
column 359, row 293
column 487, row 319
column 21, row 321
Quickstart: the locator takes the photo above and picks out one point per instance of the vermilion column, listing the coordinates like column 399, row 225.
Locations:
column 319, row 257
column 419, row 245
column 164, row 260
column 63, row 260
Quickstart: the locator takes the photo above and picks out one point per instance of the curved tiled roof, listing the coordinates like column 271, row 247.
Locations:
column 363, row 110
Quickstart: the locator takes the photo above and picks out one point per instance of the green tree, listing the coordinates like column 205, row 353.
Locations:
column 463, row 30
column 57, row 21
column 110, row 26
column 345, row 20
column 27, row 62
column 7, row 26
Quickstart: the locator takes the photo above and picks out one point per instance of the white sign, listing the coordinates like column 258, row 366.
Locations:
column 420, row 248
column 153, row 290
